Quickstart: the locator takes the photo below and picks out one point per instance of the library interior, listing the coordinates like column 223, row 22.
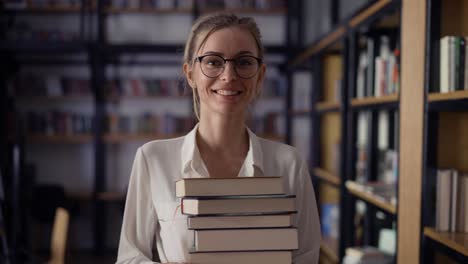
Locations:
column 372, row 94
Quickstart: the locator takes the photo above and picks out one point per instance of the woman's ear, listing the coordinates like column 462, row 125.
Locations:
column 188, row 71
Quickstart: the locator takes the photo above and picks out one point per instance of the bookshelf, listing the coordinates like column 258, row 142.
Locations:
column 333, row 59
column 446, row 122
column 369, row 197
column 95, row 50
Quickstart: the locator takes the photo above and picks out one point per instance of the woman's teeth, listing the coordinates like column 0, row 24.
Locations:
column 227, row 92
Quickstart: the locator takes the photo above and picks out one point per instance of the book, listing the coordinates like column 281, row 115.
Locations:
column 238, row 205
column 248, row 221
column 443, row 198
column 252, row 257
column 229, row 186
column 246, row 239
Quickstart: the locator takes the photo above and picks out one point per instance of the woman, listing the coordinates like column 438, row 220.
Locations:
column 223, row 65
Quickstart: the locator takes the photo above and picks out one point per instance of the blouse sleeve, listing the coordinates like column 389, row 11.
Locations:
column 139, row 225
column 307, row 220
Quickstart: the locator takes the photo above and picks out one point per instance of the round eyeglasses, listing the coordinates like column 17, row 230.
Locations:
column 213, row 66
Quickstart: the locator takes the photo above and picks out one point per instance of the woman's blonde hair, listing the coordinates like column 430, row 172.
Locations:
column 204, row 27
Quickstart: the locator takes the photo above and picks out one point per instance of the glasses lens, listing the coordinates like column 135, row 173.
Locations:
column 212, row 66
column 246, row 66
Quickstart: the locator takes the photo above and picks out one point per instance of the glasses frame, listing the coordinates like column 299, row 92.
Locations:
column 200, row 58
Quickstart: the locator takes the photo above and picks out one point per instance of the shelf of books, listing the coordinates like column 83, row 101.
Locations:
column 371, row 101
column 446, row 169
column 381, row 195
column 320, row 45
column 59, row 139
column 457, row 241
column 327, row 107
column 455, row 95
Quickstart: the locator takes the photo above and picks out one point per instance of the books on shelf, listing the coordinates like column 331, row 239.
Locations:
column 366, row 255
column 253, row 226
column 244, row 257
column 246, row 239
column 451, row 201
column 453, row 64
column 266, row 204
column 378, row 72
column 239, row 221
column 229, row 186
column 302, row 91
column 382, row 191
column 30, row 84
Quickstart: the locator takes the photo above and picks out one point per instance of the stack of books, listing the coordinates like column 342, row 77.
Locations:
column 239, row 220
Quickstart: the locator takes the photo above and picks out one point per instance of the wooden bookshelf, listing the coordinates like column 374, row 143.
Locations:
column 329, row 248
column 56, row 98
column 370, row 198
column 368, row 12
column 169, row 11
column 60, row 139
column 367, row 101
column 248, row 11
column 45, row 10
column 319, row 46
column 326, row 176
column 453, row 240
column 327, row 106
column 456, row 95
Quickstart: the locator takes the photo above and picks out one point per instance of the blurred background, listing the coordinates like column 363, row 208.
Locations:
column 84, row 83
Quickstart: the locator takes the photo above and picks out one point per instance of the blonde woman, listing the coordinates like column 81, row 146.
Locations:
column 223, row 65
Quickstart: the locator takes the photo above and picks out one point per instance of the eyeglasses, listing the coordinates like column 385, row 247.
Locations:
column 213, row 65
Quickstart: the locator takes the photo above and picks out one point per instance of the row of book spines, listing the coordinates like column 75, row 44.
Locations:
column 154, row 4
column 52, row 86
column 25, row 32
column 378, row 73
column 56, row 86
column 68, row 123
column 205, row 4
column 451, row 201
column 453, row 63
column 387, row 165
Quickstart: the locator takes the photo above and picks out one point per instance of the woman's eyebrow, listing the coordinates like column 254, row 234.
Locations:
column 242, row 52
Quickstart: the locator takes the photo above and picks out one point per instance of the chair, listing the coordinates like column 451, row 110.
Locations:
column 59, row 236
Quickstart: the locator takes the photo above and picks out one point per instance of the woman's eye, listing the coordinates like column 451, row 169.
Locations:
column 244, row 62
column 214, row 62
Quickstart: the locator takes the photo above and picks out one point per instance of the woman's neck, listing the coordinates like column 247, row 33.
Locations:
column 223, row 136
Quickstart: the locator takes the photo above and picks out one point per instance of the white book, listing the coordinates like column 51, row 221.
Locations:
column 390, row 85
column 246, row 239
column 361, row 76
column 444, row 182
column 444, row 64
column 452, row 58
column 239, row 221
column 378, row 64
column 244, row 257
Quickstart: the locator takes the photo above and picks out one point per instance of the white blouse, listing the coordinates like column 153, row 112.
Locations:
column 152, row 213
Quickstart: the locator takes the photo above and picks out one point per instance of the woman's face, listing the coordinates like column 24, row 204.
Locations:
column 227, row 94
